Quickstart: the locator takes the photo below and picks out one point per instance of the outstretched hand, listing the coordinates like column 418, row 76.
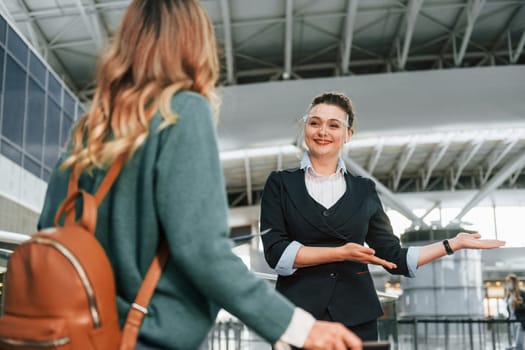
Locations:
column 473, row 241
column 333, row 336
column 358, row 253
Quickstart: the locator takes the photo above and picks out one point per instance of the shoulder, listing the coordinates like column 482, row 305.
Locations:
column 360, row 180
column 189, row 103
column 193, row 111
column 194, row 122
column 276, row 177
column 291, row 170
column 282, row 174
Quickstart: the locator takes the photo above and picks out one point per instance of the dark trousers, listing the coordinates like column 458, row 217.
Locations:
column 366, row 331
column 143, row 345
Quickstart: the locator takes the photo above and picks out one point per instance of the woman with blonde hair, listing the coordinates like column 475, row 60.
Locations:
column 515, row 299
column 153, row 105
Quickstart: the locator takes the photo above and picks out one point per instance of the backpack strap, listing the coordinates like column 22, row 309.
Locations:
column 139, row 308
column 89, row 205
column 88, row 219
column 89, row 211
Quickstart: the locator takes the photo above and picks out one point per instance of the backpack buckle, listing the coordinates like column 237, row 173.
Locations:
column 140, row 308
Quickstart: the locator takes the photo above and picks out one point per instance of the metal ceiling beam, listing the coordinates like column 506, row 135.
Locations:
column 327, row 48
column 288, row 40
column 356, row 63
column 5, row 11
column 411, row 17
column 514, row 177
column 429, row 210
column 387, row 196
column 248, row 173
column 403, row 161
column 33, row 37
column 93, row 26
column 462, row 161
column 53, row 12
column 400, row 8
column 514, row 57
column 66, row 10
column 452, row 34
column 320, row 29
column 368, row 52
column 505, row 172
column 348, row 31
column 372, row 162
column 505, row 33
column 514, row 16
column 228, row 42
column 30, row 26
column 70, row 44
column 433, row 161
column 496, row 157
column 459, row 27
column 370, row 24
column 473, row 10
column 250, row 39
column 394, row 48
column 65, row 29
column 98, row 23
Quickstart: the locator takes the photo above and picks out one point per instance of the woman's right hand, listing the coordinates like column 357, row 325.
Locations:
column 331, row 336
column 358, row 253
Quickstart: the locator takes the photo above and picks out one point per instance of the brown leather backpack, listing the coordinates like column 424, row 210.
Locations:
column 59, row 288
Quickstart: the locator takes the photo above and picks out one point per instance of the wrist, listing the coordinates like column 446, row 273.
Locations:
column 339, row 253
column 447, row 247
column 454, row 244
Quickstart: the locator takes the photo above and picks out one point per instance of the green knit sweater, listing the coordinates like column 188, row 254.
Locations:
column 173, row 186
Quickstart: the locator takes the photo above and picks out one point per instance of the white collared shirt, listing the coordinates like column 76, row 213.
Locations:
column 326, row 190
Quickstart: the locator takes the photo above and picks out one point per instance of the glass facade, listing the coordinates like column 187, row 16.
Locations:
column 36, row 108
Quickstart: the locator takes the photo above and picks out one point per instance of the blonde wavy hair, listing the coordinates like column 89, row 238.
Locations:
column 162, row 46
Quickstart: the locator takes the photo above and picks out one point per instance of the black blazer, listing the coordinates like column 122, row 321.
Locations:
column 345, row 289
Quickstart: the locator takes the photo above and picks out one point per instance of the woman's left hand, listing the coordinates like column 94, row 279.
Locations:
column 473, row 241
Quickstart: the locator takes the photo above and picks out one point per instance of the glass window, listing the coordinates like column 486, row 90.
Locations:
column 65, row 130
column 37, row 69
column 46, row 175
column 32, row 166
column 80, row 110
column 1, row 67
column 14, row 101
column 52, row 134
column 54, row 89
column 2, row 30
column 17, row 46
column 36, row 107
column 69, row 104
column 11, row 152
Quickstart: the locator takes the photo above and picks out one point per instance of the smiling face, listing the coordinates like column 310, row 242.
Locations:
column 326, row 130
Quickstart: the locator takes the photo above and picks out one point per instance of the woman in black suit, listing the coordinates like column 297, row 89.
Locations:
column 320, row 216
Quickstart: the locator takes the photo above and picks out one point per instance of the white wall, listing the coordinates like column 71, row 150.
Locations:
column 21, row 198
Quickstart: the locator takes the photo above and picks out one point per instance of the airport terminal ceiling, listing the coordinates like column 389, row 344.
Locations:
column 438, row 84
